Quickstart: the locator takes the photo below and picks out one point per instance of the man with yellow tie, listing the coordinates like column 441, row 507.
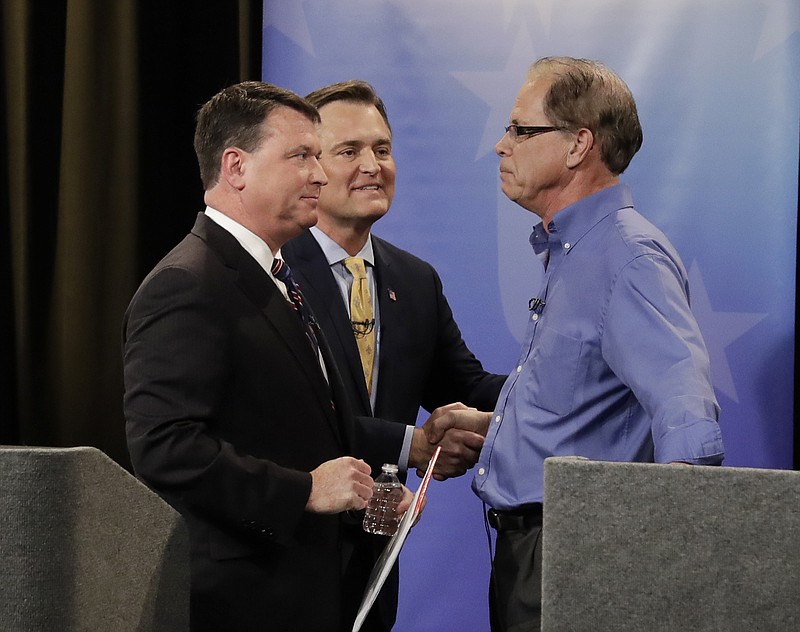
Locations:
column 380, row 308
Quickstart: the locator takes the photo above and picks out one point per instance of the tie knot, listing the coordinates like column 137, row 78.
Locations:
column 281, row 270
column 356, row 267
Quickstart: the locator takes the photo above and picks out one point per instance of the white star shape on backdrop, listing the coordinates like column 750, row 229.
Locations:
column 544, row 7
column 781, row 21
column 288, row 18
column 493, row 88
column 720, row 330
column 509, row 6
column 498, row 88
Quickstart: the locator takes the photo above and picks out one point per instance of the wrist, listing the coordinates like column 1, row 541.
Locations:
column 421, row 450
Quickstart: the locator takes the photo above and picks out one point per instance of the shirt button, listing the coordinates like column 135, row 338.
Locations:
column 497, row 419
column 481, row 471
column 519, row 369
column 535, row 317
column 567, row 246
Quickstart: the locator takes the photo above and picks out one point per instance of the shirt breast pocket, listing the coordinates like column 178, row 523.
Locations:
column 552, row 371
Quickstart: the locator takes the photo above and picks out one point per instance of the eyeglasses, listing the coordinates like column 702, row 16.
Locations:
column 518, row 133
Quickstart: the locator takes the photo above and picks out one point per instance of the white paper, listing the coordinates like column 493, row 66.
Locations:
column 387, row 559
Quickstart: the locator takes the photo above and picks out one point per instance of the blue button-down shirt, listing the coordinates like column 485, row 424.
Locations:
column 613, row 366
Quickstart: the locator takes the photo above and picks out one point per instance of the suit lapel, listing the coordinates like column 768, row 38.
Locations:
column 390, row 290
column 313, row 273
column 279, row 315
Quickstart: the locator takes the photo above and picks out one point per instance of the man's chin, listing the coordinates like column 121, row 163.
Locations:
column 307, row 221
column 374, row 213
column 354, row 217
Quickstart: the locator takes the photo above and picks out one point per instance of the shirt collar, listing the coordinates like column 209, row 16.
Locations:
column 334, row 253
column 251, row 242
column 574, row 221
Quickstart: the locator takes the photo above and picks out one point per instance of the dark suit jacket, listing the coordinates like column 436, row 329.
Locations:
column 227, row 412
column 423, row 358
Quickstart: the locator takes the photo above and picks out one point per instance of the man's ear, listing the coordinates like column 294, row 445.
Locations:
column 232, row 167
column 582, row 144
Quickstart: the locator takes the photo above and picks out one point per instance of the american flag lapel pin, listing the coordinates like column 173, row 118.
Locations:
column 392, row 295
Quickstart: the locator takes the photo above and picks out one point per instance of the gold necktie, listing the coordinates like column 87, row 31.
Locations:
column 361, row 317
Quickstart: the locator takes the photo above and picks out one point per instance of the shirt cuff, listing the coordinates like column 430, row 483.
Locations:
column 402, row 460
column 699, row 444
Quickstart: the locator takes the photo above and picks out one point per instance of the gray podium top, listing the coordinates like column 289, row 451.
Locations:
column 86, row 546
column 646, row 547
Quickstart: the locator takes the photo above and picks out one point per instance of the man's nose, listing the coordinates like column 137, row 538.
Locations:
column 368, row 163
column 503, row 146
column 318, row 175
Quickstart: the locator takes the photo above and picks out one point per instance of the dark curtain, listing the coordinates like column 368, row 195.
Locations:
column 98, row 181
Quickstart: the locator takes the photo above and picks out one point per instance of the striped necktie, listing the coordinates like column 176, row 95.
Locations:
column 282, row 272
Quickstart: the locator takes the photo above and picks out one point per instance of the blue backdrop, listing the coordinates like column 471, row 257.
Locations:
column 716, row 82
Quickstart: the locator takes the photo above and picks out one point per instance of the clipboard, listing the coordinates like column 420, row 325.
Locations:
column 389, row 556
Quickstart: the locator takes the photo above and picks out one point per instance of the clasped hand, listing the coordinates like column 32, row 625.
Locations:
column 460, row 432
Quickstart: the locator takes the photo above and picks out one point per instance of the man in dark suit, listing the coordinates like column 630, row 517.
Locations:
column 421, row 358
column 235, row 411
column 418, row 357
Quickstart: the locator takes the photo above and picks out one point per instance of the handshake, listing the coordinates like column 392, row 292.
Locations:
column 345, row 483
column 459, row 431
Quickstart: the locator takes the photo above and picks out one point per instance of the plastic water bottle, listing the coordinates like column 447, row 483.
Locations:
column 381, row 517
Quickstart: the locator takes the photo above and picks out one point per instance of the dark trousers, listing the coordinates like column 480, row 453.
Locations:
column 515, row 591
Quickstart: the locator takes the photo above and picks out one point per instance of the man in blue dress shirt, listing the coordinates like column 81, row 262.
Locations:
column 613, row 365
